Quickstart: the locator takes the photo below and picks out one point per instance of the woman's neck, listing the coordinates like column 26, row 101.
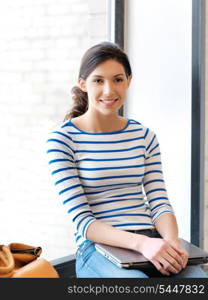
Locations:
column 101, row 123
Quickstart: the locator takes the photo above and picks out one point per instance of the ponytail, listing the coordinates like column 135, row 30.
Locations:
column 80, row 105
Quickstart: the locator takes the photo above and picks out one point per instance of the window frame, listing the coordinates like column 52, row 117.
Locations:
column 198, row 122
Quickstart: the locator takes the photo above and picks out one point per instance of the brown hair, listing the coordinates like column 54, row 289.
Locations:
column 91, row 59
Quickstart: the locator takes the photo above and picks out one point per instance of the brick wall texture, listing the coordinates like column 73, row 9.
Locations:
column 41, row 43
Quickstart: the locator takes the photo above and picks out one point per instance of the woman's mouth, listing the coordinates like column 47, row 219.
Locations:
column 108, row 102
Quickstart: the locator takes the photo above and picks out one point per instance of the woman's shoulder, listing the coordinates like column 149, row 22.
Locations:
column 59, row 136
column 136, row 122
column 59, row 131
column 148, row 132
column 61, row 126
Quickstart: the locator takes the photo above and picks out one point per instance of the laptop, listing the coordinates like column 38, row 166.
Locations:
column 125, row 258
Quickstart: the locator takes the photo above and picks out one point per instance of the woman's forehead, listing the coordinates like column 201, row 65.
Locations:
column 108, row 68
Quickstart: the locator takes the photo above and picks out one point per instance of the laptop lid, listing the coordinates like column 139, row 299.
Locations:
column 126, row 258
column 196, row 254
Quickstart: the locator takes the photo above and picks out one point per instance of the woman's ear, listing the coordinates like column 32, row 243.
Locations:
column 82, row 84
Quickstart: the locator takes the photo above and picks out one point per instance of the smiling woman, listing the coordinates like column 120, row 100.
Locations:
column 106, row 89
column 104, row 78
column 108, row 174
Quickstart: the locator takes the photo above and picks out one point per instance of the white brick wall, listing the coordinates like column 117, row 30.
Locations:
column 41, row 43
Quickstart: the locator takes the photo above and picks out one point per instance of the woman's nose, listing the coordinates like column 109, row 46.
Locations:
column 107, row 89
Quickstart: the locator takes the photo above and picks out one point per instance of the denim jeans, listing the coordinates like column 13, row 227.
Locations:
column 91, row 264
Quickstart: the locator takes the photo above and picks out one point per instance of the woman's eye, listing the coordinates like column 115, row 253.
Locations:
column 119, row 79
column 98, row 80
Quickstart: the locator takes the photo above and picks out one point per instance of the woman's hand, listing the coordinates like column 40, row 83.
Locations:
column 166, row 256
column 176, row 244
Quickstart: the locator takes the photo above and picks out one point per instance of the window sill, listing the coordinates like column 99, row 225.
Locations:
column 65, row 266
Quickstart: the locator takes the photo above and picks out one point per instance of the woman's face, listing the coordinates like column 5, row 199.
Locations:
column 106, row 87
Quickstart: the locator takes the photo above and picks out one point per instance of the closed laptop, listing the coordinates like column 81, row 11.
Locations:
column 125, row 258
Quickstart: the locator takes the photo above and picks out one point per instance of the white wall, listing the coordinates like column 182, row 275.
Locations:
column 158, row 42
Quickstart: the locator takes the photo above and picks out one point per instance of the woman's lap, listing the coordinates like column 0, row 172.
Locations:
column 91, row 264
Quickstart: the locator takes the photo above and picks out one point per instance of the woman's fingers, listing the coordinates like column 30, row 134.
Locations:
column 185, row 256
column 160, row 268
column 168, row 260
column 165, row 257
column 170, row 265
column 175, row 258
column 166, row 265
column 176, row 245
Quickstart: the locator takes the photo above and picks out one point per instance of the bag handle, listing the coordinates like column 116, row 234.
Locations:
column 34, row 251
column 24, row 253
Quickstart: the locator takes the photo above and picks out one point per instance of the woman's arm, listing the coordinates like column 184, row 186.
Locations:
column 101, row 232
column 164, row 257
column 167, row 226
column 154, row 185
column 153, row 181
column 61, row 162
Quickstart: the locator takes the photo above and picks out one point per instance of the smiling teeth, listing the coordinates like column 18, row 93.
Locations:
column 108, row 101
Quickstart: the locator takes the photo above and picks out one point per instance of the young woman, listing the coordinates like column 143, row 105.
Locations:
column 108, row 173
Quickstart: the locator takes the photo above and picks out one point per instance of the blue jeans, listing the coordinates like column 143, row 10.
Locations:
column 91, row 264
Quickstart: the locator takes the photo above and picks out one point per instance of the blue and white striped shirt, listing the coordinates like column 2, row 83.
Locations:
column 115, row 177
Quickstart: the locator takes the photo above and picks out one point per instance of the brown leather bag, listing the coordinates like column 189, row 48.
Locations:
column 19, row 260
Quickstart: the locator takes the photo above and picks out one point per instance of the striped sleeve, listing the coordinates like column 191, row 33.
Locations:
column 153, row 182
column 60, row 153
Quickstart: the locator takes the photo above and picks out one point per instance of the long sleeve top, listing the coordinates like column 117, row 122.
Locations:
column 115, row 177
